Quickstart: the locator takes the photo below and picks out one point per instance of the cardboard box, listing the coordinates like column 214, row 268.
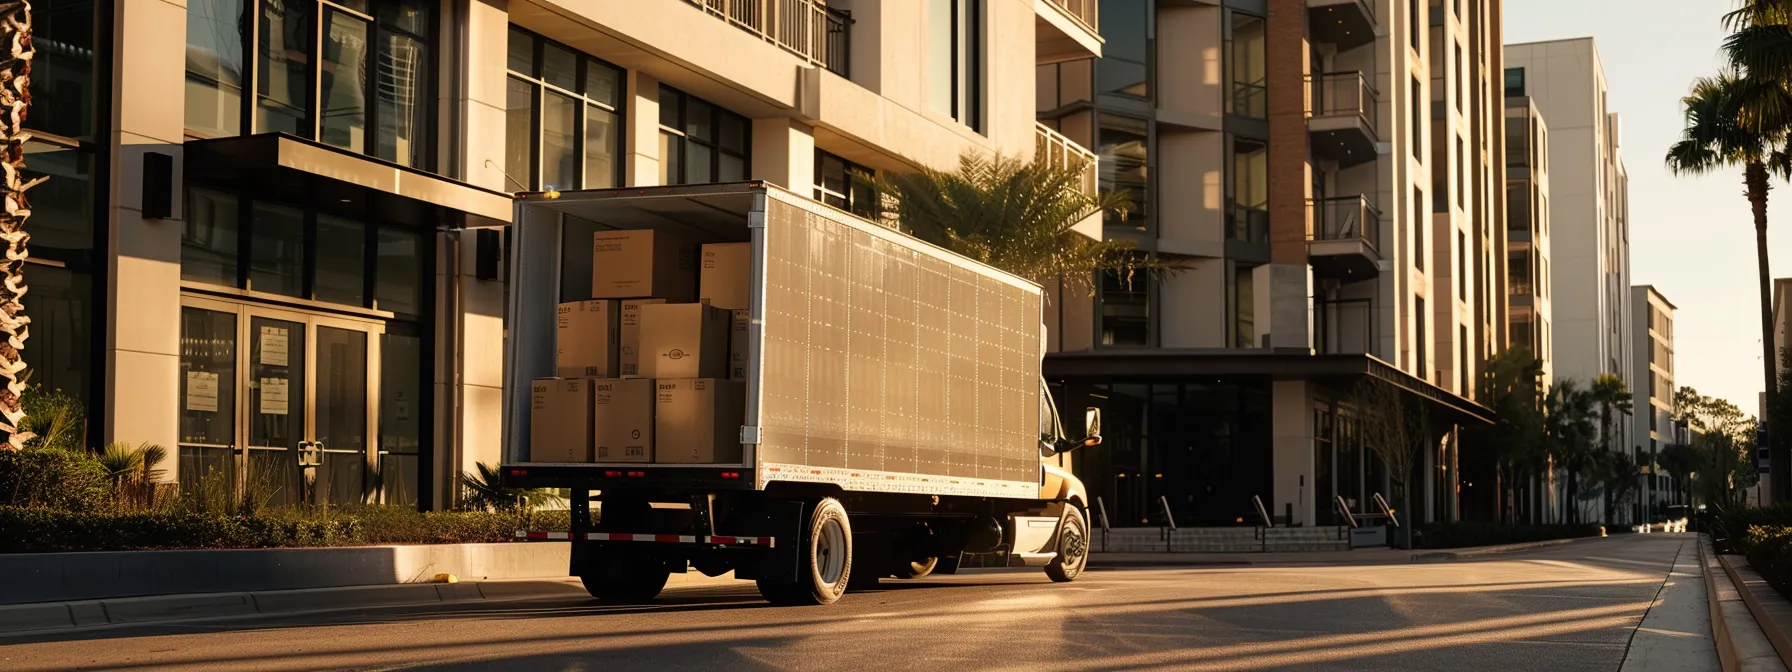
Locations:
column 737, row 345
column 642, row 264
column 560, row 420
column 587, row 339
column 630, row 352
column 698, row 421
column 622, row 420
column 683, row 340
column 726, row 275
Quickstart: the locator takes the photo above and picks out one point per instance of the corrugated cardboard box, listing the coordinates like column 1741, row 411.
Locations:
column 641, row 264
column 697, row 421
column 622, row 421
column 560, row 420
column 630, row 352
column 587, row 337
column 737, row 345
column 724, row 280
column 683, row 340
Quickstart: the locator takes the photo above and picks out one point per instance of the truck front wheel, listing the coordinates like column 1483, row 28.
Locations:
column 1073, row 547
column 824, row 561
column 626, row 580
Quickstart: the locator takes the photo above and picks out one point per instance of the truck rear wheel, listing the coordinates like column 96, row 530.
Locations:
column 824, row 561
column 1073, row 547
column 626, row 580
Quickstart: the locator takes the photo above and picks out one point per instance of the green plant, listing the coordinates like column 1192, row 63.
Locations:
column 485, row 491
column 14, row 324
column 1516, row 443
column 1012, row 215
column 53, row 478
column 1397, row 430
column 36, row 530
column 56, row 419
column 1572, row 434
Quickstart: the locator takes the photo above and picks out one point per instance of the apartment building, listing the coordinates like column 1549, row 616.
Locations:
column 1529, row 313
column 1325, row 171
column 1588, row 211
column 303, row 253
column 1653, row 396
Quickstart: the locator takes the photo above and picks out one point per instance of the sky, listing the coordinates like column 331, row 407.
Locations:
column 1691, row 237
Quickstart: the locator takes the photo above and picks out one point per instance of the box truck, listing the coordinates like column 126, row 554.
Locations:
column 888, row 419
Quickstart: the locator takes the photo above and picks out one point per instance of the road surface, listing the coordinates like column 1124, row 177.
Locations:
column 1568, row 607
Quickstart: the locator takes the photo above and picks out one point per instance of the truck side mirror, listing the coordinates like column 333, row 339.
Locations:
column 1092, row 423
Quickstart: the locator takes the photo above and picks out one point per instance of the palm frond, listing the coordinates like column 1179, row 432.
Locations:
column 1761, row 50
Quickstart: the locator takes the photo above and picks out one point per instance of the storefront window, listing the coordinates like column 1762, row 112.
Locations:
column 208, row 243
column 277, row 249
column 562, row 107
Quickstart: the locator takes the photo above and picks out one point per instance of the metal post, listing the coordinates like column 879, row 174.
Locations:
column 1170, row 531
column 1103, row 510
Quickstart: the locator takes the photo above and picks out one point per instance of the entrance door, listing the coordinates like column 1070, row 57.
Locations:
column 277, row 403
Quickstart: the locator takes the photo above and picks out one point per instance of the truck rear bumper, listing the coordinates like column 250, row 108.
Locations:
column 701, row 540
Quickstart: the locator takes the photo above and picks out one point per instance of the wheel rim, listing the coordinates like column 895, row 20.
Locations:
column 1075, row 547
column 830, row 552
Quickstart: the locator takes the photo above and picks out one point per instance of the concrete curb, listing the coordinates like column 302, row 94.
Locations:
column 1740, row 643
column 48, row 618
column 1434, row 556
column 1749, row 585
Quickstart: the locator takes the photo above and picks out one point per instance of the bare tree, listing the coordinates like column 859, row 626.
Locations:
column 15, row 100
column 1398, row 431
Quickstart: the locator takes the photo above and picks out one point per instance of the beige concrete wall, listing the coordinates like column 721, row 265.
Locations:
column 1192, row 306
column 1191, row 181
column 1291, row 403
column 1191, row 71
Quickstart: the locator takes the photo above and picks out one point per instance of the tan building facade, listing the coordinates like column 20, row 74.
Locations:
column 1530, row 311
column 1653, row 395
column 303, row 253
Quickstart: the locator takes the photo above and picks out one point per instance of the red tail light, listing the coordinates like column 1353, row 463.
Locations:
column 636, row 474
column 519, row 472
column 731, row 475
column 612, row 474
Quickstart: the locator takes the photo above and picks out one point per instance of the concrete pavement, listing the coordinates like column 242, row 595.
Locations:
column 1569, row 607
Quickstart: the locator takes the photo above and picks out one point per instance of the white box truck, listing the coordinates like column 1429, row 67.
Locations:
column 895, row 419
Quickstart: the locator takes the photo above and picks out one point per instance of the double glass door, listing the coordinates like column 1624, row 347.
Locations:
column 277, row 406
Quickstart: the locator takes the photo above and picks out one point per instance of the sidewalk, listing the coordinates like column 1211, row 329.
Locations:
column 1364, row 556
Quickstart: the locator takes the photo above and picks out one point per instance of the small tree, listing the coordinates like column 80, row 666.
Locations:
column 1511, row 385
column 1398, row 431
column 1572, row 432
column 1724, row 437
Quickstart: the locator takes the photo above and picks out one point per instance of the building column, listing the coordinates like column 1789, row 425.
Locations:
column 784, row 154
column 641, row 165
column 1291, row 413
column 142, row 383
column 1287, row 282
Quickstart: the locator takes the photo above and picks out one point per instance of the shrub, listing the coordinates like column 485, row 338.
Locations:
column 53, row 478
column 1460, row 535
column 47, row 530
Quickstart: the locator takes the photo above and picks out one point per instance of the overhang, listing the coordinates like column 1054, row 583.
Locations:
column 1169, row 364
column 282, row 167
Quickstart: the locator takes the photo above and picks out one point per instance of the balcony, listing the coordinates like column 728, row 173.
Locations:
column 1066, row 30
column 1346, row 23
column 807, row 28
column 1341, row 117
column 1346, row 238
column 1344, row 327
column 1054, row 149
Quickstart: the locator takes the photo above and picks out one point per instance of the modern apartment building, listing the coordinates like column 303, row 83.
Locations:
column 1529, row 314
column 1328, row 173
column 1653, row 396
column 1588, row 218
column 304, row 251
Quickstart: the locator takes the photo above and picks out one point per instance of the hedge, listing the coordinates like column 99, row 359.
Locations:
column 1461, row 535
column 29, row 530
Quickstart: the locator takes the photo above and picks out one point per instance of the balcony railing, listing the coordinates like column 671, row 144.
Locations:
column 1344, row 326
column 1342, row 94
column 807, row 28
column 1084, row 11
column 1057, row 151
column 1346, row 218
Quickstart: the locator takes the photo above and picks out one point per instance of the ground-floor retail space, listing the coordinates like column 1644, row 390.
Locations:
column 1204, row 439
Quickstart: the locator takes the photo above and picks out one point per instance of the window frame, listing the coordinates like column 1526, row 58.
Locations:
column 967, row 44
column 540, row 87
column 682, row 145
column 854, row 174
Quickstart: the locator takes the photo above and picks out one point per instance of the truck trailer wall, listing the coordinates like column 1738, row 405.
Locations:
column 891, row 365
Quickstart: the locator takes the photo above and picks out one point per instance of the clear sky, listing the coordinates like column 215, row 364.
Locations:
column 1692, row 238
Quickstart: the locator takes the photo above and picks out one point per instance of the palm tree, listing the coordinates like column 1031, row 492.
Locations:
column 1610, row 393
column 15, row 100
column 1571, row 431
column 1511, row 385
column 486, row 491
column 1012, row 215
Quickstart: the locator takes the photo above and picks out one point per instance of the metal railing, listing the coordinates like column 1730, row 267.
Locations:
column 1346, row 218
column 1058, row 151
column 1169, row 529
column 1084, row 11
column 807, row 28
column 1105, row 531
column 1257, row 501
column 1342, row 94
column 1344, row 326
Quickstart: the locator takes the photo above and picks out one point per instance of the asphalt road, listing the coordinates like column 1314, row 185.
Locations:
column 1569, row 607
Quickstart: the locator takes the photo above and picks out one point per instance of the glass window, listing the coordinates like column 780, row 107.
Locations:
column 341, row 261
column 277, row 249
column 700, row 142
column 1461, row 174
column 1418, row 228
column 208, row 242
column 1421, row 364
column 1415, row 23
column 563, row 128
column 1461, row 71
column 1249, row 200
column 845, row 185
column 343, row 80
column 63, row 70
column 61, row 223
column 1123, row 148
column 1244, row 307
column 214, row 101
column 1461, row 266
column 401, row 100
column 208, row 385
column 1125, row 309
column 1124, row 64
column 399, row 285
column 1514, row 81
column 61, row 309
column 1418, row 143
column 401, row 417
column 283, row 67
column 1249, row 54
column 954, row 59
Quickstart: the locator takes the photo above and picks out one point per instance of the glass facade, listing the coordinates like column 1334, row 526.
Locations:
column 563, row 123
column 1124, row 148
column 955, row 59
column 1247, row 64
column 1125, row 64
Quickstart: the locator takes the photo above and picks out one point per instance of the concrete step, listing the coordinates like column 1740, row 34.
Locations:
column 1225, row 540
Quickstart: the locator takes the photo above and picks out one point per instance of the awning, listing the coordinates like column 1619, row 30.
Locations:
column 282, row 167
column 1160, row 364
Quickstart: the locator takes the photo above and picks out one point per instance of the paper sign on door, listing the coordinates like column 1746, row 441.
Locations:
column 273, row 346
column 273, row 396
column 202, row 391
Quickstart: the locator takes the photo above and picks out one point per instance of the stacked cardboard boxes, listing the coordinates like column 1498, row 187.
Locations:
column 646, row 373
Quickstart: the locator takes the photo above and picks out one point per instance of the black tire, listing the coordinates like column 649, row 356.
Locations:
column 1073, row 547
column 824, row 560
column 915, row 569
column 624, row 580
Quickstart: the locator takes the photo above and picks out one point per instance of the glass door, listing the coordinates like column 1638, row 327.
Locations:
column 342, row 422
column 275, row 391
column 208, row 386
